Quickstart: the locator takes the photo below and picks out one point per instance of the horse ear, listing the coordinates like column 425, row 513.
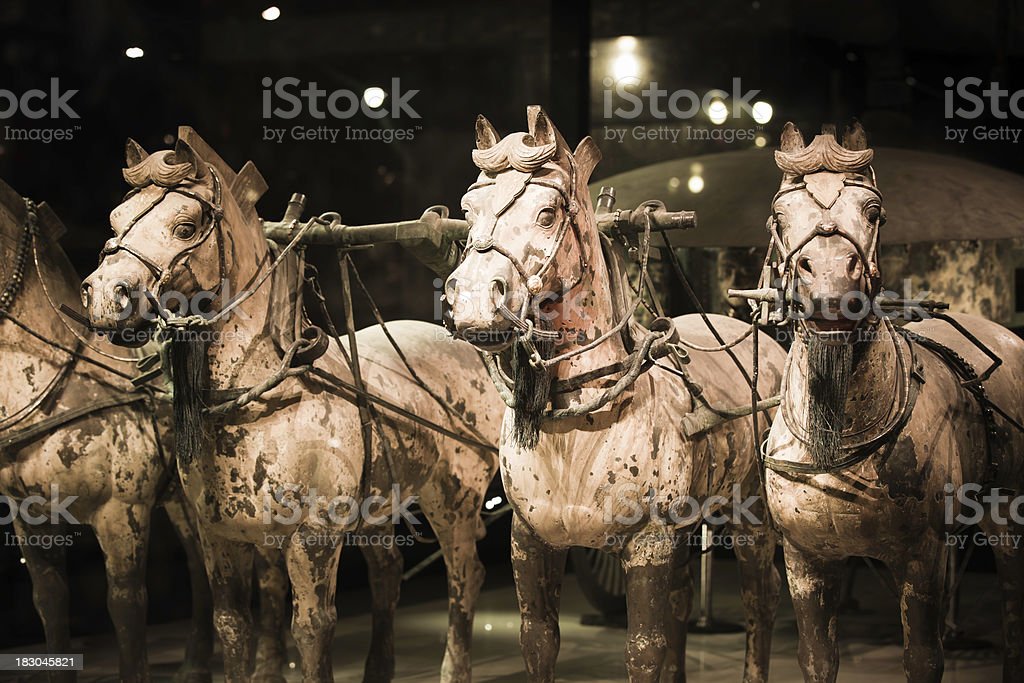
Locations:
column 184, row 154
column 828, row 129
column 133, row 153
column 486, row 135
column 855, row 137
column 587, row 156
column 792, row 139
column 542, row 130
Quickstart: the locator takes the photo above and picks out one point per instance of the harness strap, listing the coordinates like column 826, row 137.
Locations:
column 46, row 425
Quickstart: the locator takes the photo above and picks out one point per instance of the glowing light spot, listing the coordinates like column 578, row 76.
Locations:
column 762, row 112
column 626, row 43
column 718, row 112
column 134, row 52
column 374, row 97
column 760, row 140
column 271, row 13
column 695, row 184
column 626, row 65
column 674, row 183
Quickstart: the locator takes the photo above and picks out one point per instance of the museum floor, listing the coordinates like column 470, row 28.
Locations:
column 869, row 639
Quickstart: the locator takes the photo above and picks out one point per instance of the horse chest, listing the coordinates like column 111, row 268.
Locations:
column 578, row 487
column 262, row 462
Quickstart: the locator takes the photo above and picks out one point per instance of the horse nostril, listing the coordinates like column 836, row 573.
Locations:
column 86, row 295
column 121, row 297
column 853, row 268
column 451, row 287
column 803, row 264
column 499, row 290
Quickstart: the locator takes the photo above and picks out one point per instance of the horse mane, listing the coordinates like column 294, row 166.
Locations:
column 517, row 151
column 823, row 154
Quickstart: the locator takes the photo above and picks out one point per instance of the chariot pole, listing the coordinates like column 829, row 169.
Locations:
column 434, row 237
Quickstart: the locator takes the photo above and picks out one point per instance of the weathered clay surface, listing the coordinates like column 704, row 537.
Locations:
column 116, row 462
column 891, row 506
column 600, row 480
column 304, row 435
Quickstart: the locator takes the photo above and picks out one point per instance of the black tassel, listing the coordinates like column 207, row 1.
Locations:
column 531, row 392
column 190, row 374
column 829, row 368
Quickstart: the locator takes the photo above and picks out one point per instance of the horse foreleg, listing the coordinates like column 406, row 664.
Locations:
column 647, row 559
column 199, row 649
column 123, row 533
column 680, row 603
column 384, row 562
column 538, row 569
column 272, row 586
column 48, row 569
column 1010, row 568
column 814, row 585
column 313, row 570
column 457, row 531
column 229, row 565
column 921, row 581
column 759, row 589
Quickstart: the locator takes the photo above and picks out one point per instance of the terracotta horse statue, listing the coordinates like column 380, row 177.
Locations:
column 188, row 225
column 81, row 442
column 596, row 450
column 880, row 425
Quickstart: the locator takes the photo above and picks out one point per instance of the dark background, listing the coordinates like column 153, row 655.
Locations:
column 204, row 62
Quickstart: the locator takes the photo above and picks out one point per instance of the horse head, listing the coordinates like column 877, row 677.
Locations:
column 825, row 221
column 169, row 239
column 532, row 232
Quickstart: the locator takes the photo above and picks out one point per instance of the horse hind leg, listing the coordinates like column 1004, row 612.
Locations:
column 47, row 567
column 457, row 528
column 272, row 621
column 921, row 582
column 814, row 585
column 1009, row 555
column 759, row 589
column 384, row 562
column 199, row 649
column 123, row 533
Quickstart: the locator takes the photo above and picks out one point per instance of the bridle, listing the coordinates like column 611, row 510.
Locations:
column 534, row 281
column 213, row 211
column 868, row 256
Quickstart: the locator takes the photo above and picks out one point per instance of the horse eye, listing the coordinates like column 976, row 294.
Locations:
column 872, row 212
column 546, row 218
column 470, row 215
column 184, row 231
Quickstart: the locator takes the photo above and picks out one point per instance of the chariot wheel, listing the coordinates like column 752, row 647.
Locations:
column 602, row 580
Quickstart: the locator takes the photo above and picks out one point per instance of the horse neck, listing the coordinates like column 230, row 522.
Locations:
column 589, row 309
column 242, row 347
column 33, row 307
